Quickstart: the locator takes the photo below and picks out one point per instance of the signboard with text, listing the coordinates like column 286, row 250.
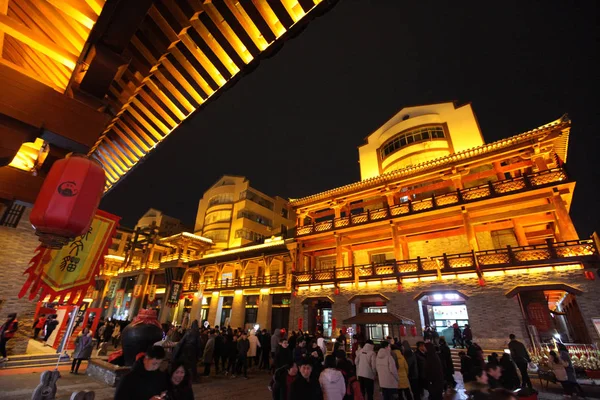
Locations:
column 175, row 293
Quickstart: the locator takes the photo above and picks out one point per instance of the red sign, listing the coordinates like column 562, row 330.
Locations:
column 539, row 316
column 333, row 325
column 300, row 320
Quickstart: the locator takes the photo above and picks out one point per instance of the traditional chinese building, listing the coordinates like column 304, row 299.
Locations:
column 446, row 228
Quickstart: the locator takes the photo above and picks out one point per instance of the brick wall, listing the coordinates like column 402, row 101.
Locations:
column 437, row 247
column 17, row 246
column 492, row 315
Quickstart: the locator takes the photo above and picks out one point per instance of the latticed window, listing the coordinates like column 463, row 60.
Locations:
column 12, row 215
column 249, row 235
column 407, row 138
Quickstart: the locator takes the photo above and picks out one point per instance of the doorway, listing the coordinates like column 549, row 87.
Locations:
column 442, row 309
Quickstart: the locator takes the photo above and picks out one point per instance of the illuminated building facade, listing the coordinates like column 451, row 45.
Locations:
column 444, row 228
column 232, row 214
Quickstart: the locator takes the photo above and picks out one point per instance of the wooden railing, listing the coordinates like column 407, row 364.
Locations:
column 240, row 283
column 498, row 259
column 461, row 196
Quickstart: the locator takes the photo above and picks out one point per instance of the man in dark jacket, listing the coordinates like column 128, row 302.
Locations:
column 282, row 381
column 265, row 345
column 467, row 367
column 421, row 355
column 304, row 387
column 219, row 355
column 300, row 352
column 283, row 355
column 520, row 356
column 145, row 380
column 209, row 352
column 468, row 335
column 243, row 345
column 188, row 350
column 447, row 364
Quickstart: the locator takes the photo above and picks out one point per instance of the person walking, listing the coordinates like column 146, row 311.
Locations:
column 283, row 378
column 509, row 379
column 558, row 366
column 243, row 347
column 332, row 381
column 403, row 381
column 7, row 332
column 83, row 349
column 187, row 350
column 413, row 369
column 51, row 324
column 265, row 345
column 434, row 373
column 145, row 381
column 231, row 349
column 521, row 357
column 116, row 335
column 447, row 364
column 209, row 352
column 467, row 335
column 366, row 368
column 283, row 355
column 387, row 373
column 300, row 352
column 100, row 332
column 467, row 367
column 253, row 350
column 303, row 387
column 275, row 339
column 563, row 353
column 421, row 356
column 457, row 336
column 38, row 326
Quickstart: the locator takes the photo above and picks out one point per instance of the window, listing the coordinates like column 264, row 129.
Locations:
column 223, row 198
column 217, row 216
column 249, row 235
column 378, row 258
column 217, row 235
column 327, row 262
column 284, row 213
column 252, row 216
column 253, row 197
column 410, row 137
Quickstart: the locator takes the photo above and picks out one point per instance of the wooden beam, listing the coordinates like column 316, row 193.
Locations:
column 4, row 11
column 513, row 214
column 36, row 41
column 436, row 235
column 78, row 10
column 19, row 185
column 38, row 105
column 494, row 226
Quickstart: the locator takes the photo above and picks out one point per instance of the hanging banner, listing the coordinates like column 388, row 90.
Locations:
column 119, row 297
column 151, row 292
column 137, row 290
column 95, row 295
column 71, row 270
column 174, row 293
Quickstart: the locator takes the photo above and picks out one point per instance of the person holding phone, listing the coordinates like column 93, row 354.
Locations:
column 145, row 381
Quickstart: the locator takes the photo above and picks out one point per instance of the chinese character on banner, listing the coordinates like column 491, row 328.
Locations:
column 151, row 292
column 175, row 293
column 137, row 290
column 119, row 298
column 60, row 272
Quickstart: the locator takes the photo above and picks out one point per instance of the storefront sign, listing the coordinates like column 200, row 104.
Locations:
column 137, row 290
column 119, row 298
column 151, row 292
column 112, row 287
column 175, row 293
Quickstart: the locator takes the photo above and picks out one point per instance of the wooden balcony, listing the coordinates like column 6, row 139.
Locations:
column 240, row 283
column 464, row 196
column 499, row 259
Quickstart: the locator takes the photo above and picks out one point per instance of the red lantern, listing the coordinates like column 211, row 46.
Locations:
column 333, row 325
column 413, row 330
column 399, row 286
column 300, row 320
column 402, row 330
column 481, row 282
column 336, row 291
column 68, row 200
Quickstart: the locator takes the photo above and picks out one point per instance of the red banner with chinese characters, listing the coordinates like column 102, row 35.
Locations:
column 71, row 270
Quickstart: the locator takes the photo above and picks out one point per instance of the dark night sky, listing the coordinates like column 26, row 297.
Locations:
column 293, row 125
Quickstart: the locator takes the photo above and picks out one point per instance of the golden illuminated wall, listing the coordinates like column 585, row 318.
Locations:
column 461, row 132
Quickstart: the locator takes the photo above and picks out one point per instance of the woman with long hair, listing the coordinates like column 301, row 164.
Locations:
column 563, row 353
column 558, row 366
column 179, row 383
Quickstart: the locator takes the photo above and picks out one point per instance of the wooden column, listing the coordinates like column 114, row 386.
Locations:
column 520, row 234
column 404, row 245
column 391, row 201
column 563, row 219
column 395, row 240
column 471, row 237
column 498, row 170
column 339, row 255
column 350, row 255
column 540, row 162
column 457, row 182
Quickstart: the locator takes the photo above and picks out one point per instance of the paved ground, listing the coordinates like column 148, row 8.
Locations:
column 19, row 386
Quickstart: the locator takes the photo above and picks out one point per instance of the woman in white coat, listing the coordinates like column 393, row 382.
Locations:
column 332, row 381
column 254, row 345
column 387, row 372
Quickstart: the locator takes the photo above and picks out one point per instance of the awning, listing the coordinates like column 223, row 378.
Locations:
column 378, row 318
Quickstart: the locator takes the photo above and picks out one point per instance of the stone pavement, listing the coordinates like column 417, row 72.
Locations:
column 20, row 386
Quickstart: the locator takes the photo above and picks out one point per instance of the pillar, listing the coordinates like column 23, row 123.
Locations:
column 520, row 234
column 470, row 231
column 391, row 201
column 563, row 219
column 337, row 210
column 457, row 182
column 395, row 240
column 196, row 309
column 264, row 310
column 238, row 309
column 404, row 246
column 540, row 162
column 214, row 311
column 350, row 255
column 339, row 255
column 498, row 170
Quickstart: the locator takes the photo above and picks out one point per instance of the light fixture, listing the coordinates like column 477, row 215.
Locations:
column 438, row 297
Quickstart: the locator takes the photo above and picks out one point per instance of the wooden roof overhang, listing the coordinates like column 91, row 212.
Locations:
column 555, row 133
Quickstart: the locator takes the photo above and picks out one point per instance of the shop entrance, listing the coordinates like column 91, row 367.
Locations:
column 442, row 309
column 319, row 315
column 280, row 313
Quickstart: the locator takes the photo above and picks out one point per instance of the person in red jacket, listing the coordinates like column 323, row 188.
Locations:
column 7, row 331
column 39, row 325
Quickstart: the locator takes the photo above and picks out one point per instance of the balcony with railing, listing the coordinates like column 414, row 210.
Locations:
column 549, row 254
column 240, row 283
column 461, row 196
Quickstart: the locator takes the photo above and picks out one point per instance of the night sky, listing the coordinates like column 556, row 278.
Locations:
column 294, row 124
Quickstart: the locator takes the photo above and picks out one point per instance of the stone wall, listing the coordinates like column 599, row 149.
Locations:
column 492, row 315
column 17, row 246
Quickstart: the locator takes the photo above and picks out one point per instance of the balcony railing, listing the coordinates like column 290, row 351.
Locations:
column 498, row 259
column 240, row 283
column 461, row 196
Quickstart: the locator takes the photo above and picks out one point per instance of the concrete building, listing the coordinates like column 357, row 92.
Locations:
column 232, row 214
